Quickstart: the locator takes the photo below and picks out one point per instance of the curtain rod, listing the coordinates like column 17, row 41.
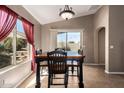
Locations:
column 19, row 17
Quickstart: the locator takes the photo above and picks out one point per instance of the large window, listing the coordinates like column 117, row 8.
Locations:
column 70, row 41
column 14, row 49
column 22, row 46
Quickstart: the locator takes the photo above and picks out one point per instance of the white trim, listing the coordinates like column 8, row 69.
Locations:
column 94, row 64
column 23, row 79
column 11, row 67
column 68, row 30
column 113, row 72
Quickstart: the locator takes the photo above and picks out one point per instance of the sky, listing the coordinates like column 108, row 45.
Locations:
column 19, row 26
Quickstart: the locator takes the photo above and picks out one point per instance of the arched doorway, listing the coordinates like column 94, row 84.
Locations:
column 101, row 46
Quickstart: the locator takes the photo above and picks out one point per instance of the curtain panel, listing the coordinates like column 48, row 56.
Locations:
column 7, row 21
column 29, row 31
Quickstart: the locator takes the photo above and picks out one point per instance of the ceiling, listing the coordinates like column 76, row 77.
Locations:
column 50, row 13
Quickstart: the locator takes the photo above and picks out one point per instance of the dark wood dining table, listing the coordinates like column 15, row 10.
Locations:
column 71, row 55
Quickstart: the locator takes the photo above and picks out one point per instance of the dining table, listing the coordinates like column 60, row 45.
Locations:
column 71, row 55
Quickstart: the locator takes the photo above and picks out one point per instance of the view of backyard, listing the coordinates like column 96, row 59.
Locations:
column 15, row 45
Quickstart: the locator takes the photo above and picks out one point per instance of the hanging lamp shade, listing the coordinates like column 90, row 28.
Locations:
column 66, row 13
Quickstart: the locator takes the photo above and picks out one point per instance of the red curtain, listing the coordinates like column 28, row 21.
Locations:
column 7, row 21
column 28, row 28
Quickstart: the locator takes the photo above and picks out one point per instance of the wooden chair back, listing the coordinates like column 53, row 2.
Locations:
column 57, row 62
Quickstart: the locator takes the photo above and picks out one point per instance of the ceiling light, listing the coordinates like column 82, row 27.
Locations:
column 67, row 13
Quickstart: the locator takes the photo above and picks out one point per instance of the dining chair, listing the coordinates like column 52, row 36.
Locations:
column 69, row 62
column 57, row 65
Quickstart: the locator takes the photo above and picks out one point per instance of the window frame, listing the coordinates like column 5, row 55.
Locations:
column 70, row 30
column 29, row 47
column 14, row 62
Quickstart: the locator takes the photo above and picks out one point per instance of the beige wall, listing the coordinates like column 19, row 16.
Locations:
column 85, row 23
column 116, row 55
column 37, row 27
column 101, row 19
column 112, row 18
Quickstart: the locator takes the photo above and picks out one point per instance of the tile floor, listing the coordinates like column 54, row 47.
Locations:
column 94, row 77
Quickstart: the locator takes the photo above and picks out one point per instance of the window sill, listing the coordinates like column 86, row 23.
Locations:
column 8, row 68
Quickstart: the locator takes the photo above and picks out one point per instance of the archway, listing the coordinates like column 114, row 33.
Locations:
column 101, row 46
column 96, row 42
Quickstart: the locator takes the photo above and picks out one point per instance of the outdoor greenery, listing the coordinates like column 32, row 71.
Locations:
column 7, row 45
column 6, row 49
column 1, row 48
column 20, row 43
column 5, row 60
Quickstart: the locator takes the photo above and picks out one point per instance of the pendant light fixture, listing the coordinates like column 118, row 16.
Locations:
column 66, row 13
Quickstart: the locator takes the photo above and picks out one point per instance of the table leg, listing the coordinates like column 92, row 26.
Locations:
column 38, row 76
column 81, row 84
column 72, row 68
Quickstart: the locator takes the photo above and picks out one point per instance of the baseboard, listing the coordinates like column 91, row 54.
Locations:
column 23, row 79
column 93, row 64
column 113, row 72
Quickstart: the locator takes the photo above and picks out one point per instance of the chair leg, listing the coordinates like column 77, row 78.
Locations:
column 65, row 86
column 72, row 68
column 66, row 80
column 77, row 70
column 49, row 81
column 78, row 73
column 53, row 75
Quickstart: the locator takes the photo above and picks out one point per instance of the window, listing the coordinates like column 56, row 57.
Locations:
column 70, row 41
column 14, row 49
column 61, row 40
column 21, row 43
